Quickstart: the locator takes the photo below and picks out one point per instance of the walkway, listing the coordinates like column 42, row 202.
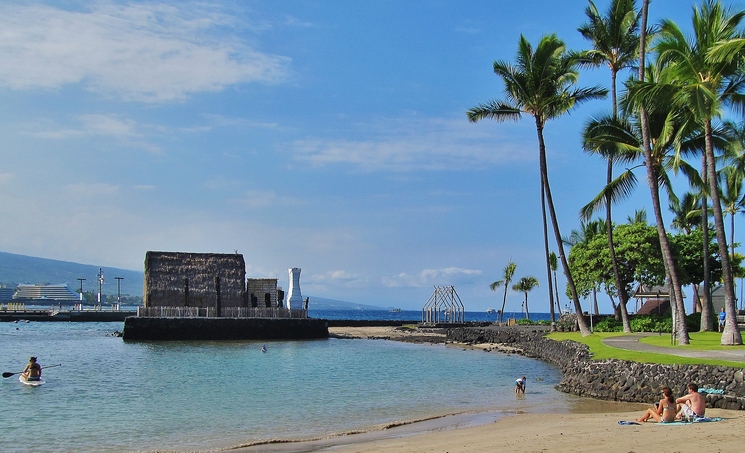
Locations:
column 631, row 342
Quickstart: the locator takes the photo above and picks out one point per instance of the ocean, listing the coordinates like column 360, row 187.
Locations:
column 115, row 396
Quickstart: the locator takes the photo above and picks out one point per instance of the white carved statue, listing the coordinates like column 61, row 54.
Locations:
column 294, row 298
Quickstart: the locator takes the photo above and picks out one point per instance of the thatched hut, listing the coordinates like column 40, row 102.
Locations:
column 178, row 279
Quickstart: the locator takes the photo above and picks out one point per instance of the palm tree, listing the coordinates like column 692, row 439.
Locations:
column 525, row 285
column 639, row 216
column 704, row 83
column 614, row 38
column 687, row 213
column 541, row 84
column 654, row 138
column 554, row 265
column 507, row 273
column 733, row 198
column 615, row 42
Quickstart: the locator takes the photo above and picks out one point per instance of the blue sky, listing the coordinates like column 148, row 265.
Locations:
column 326, row 135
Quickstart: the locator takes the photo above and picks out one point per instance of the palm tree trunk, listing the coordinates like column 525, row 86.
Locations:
column 707, row 324
column 527, row 311
column 583, row 328
column 622, row 299
column 652, row 180
column 504, row 302
column 548, row 258
column 730, row 333
column 556, row 289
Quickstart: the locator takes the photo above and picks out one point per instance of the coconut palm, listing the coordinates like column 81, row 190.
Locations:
column 614, row 38
column 705, row 83
column 554, row 265
column 639, row 216
column 507, row 273
column 541, row 84
column 732, row 197
column 665, row 131
column 615, row 43
column 525, row 285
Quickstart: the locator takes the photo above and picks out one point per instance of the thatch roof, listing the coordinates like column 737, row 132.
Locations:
column 167, row 274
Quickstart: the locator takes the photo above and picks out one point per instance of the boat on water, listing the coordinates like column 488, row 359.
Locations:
column 491, row 310
column 31, row 383
column 396, row 310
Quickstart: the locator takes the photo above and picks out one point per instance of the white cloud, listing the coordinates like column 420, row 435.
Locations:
column 124, row 130
column 263, row 198
column 429, row 277
column 413, row 143
column 6, row 177
column 146, row 52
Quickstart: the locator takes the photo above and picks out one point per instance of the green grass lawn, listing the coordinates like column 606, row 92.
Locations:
column 699, row 341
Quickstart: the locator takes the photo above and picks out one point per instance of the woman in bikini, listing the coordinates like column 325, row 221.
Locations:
column 32, row 372
column 664, row 412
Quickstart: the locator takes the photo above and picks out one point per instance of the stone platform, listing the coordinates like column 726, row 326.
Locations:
column 150, row 328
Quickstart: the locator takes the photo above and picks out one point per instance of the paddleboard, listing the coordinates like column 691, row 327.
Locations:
column 25, row 381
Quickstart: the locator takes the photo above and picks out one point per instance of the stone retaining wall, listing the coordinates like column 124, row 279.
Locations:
column 615, row 380
column 138, row 328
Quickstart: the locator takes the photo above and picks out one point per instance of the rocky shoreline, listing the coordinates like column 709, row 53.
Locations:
column 612, row 380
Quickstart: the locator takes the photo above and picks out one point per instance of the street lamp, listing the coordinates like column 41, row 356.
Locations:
column 81, row 289
column 118, row 290
column 100, row 283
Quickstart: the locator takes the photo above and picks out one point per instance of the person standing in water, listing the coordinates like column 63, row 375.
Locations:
column 520, row 384
column 32, row 372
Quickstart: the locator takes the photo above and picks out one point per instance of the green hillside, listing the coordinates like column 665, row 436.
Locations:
column 22, row 269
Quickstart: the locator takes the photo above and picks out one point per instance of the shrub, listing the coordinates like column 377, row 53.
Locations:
column 609, row 324
column 529, row 322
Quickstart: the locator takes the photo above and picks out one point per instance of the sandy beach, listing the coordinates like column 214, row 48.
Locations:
column 595, row 429
column 588, row 432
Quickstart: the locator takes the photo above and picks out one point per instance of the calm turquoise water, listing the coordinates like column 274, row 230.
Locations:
column 110, row 395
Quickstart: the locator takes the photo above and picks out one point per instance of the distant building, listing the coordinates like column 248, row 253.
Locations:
column 179, row 279
column 264, row 293
column 45, row 293
column 6, row 294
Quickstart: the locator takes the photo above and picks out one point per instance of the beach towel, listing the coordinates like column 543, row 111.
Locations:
column 712, row 391
column 623, row 422
column 695, row 420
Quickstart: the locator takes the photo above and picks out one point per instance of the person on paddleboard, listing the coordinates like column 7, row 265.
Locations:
column 32, row 372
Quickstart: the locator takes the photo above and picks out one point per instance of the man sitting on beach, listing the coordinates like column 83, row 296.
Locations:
column 691, row 405
column 520, row 385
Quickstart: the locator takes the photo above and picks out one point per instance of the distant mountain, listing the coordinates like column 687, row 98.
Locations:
column 321, row 303
column 22, row 269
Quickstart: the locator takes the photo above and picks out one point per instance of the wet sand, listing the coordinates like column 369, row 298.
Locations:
column 591, row 427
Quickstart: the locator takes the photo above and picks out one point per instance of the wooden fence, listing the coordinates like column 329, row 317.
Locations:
column 225, row 312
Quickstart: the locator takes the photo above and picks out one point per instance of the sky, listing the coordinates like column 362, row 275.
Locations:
column 327, row 135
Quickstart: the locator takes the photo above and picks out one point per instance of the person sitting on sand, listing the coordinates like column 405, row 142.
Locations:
column 520, row 385
column 32, row 372
column 691, row 405
column 664, row 411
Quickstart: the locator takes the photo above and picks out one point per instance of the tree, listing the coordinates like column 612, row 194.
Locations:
column 507, row 273
column 638, row 254
column 705, row 81
column 732, row 198
column 614, row 38
column 615, row 43
column 554, row 265
column 525, row 285
column 665, row 130
column 541, row 84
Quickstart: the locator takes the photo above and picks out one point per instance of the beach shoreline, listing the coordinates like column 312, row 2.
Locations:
column 593, row 426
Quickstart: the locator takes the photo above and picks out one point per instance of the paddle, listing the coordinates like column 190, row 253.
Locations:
column 6, row 374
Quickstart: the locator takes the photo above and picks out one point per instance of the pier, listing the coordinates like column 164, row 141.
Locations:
column 78, row 314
